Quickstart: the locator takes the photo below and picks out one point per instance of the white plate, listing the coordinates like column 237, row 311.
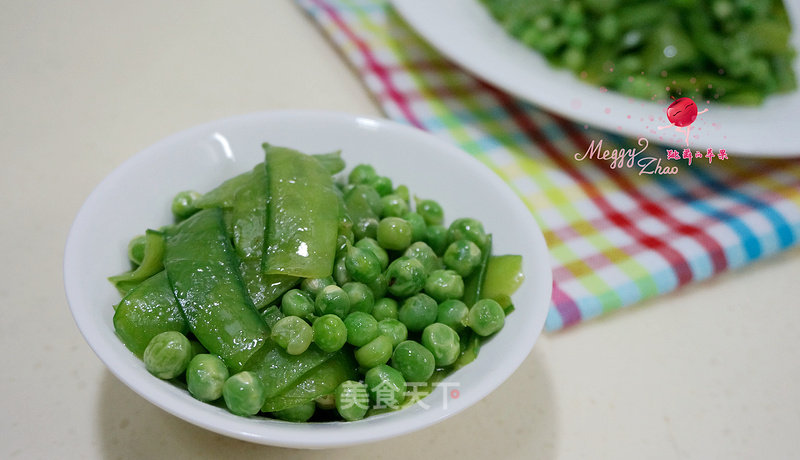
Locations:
column 464, row 31
column 138, row 193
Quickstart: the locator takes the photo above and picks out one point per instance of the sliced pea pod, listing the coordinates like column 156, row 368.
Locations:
column 264, row 289
column 319, row 381
column 204, row 273
column 503, row 277
column 148, row 310
column 278, row 370
column 470, row 346
column 249, row 215
column 473, row 284
column 303, row 212
column 332, row 162
column 223, row 196
column 152, row 263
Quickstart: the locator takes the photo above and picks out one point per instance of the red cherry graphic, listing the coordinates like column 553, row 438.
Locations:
column 682, row 112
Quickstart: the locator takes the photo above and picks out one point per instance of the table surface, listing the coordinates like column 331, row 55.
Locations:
column 708, row 372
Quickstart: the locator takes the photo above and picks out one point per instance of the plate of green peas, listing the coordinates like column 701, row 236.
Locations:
column 307, row 279
column 617, row 65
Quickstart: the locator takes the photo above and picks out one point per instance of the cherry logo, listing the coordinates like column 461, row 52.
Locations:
column 682, row 112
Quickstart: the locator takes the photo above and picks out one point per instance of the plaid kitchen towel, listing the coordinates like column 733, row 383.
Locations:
column 615, row 237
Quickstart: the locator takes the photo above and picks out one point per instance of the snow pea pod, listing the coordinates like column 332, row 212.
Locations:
column 264, row 289
column 224, row 195
column 278, row 370
column 503, row 276
column 473, row 284
column 302, row 215
column 203, row 270
column 249, row 215
column 320, row 381
column 151, row 264
column 148, row 310
column 332, row 162
column 470, row 346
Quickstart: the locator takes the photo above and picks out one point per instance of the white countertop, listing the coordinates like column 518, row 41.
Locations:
column 709, row 372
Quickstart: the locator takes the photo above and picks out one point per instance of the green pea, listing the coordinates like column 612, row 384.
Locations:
column 314, row 285
column 414, row 361
column 362, row 174
column 393, row 206
column 418, row 225
column 462, row 256
column 362, row 264
column 453, row 313
column 377, row 351
column 402, row 191
column 340, row 273
column 297, row 303
column 431, row 211
column 444, row 285
column 486, row 317
column 417, row 312
column 292, row 334
column 469, row 229
column 365, row 198
column 386, row 386
column 442, row 342
column 394, row 329
column 378, row 286
column 394, row 233
column 361, row 328
column 370, row 244
column 244, row 394
column 300, row 413
column 183, row 205
column 366, row 228
column 352, row 400
column 167, row 355
column 405, row 276
column 360, row 295
column 385, row 308
column 332, row 300
column 422, row 252
column 205, row 376
column 136, row 249
column 382, row 185
column 437, row 238
column 330, row 333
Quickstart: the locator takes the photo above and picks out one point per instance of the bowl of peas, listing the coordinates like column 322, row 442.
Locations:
column 307, row 279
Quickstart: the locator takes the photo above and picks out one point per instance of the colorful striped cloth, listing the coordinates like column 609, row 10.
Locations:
column 615, row 237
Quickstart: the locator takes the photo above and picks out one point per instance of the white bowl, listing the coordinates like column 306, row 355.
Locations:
column 137, row 195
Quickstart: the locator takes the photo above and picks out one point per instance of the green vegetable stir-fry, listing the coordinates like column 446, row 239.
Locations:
column 293, row 293
column 735, row 51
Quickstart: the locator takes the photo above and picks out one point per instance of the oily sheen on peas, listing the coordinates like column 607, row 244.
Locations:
column 298, row 293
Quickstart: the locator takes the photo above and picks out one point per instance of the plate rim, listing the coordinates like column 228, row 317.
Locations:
column 780, row 143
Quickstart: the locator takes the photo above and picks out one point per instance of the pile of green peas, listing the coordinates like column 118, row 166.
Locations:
column 395, row 301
